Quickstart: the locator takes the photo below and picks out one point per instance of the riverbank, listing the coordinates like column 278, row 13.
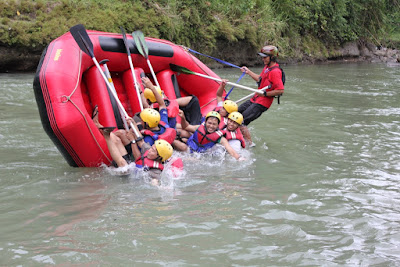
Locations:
column 21, row 60
column 357, row 51
column 305, row 32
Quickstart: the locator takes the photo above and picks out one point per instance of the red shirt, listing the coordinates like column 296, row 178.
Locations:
column 269, row 76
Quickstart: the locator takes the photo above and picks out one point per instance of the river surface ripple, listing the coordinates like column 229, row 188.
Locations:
column 320, row 188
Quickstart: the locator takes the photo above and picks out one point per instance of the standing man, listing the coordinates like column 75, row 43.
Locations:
column 270, row 75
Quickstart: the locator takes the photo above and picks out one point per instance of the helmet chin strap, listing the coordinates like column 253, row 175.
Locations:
column 271, row 63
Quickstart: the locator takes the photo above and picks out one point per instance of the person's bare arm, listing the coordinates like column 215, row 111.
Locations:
column 137, row 144
column 185, row 125
column 158, row 97
column 221, row 90
column 253, row 75
column 228, row 148
column 144, row 101
column 271, row 93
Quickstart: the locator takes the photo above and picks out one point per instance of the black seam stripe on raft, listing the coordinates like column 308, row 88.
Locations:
column 111, row 44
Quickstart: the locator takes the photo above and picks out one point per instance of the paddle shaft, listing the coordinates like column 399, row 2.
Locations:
column 250, row 95
column 244, row 98
column 83, row 41
column 152, row 73
column 115, row 95
column 230, row 83
column 136, row 84
column 108, row 75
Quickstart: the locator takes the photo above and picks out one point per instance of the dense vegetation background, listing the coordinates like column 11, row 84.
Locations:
column 300, row 28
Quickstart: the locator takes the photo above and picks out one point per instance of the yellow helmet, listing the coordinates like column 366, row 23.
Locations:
column 150, row 116
column 164, row 149
column 236, row 117
column 213, row 114
column 230, row 106
column 148, row 94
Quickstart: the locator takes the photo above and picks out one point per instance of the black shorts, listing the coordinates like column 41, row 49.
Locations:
column 192, row 111
column 251, row 111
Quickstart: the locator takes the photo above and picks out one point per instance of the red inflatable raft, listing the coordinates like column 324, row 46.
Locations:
column 68, row 85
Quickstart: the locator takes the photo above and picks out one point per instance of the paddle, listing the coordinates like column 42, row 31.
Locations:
column 141, row 46
column 132, row 68
column 230, row 91
column 187, row 71
column 250, row 95
column 220, row 61
column 108, row 75
column 85, row 44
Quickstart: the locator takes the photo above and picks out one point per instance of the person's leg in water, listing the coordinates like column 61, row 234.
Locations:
column 246, row 134
column 115, row 151
column 114, row 146
column 250, row 112
column 243, row 128
column 123, row 138
column 179, row 145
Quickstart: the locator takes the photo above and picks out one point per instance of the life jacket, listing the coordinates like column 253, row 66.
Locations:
column 200, row 140
column 172, row 110
column 166, row 133
column 147, row 164
column 217, row 108
column 283, row 80
column 283, row 73
column 235, row 135
column 224, row 122
column 265, row 81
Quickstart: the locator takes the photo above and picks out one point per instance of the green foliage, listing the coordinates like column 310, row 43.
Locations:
column 296, row 26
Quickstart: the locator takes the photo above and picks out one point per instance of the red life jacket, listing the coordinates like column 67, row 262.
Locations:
column 265, row 80
column 217, row 108
column 205, row 138
column 172, row 108
column 235, row 135
column 146, row 163
column 168, row 135
column 224, row 122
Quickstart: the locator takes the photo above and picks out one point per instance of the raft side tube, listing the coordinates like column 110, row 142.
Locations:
column 130, row 89
column 46, row 112
column 166, row 81
column 99, row 96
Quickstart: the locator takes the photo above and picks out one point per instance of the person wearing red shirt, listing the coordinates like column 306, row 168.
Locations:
column 260, row 102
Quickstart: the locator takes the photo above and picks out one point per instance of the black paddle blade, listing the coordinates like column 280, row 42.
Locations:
column 128, row 51
column 82, row 39
column 104, row 61
column 177, row 68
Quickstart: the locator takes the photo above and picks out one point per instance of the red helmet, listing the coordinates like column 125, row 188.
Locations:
column 269, row 50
